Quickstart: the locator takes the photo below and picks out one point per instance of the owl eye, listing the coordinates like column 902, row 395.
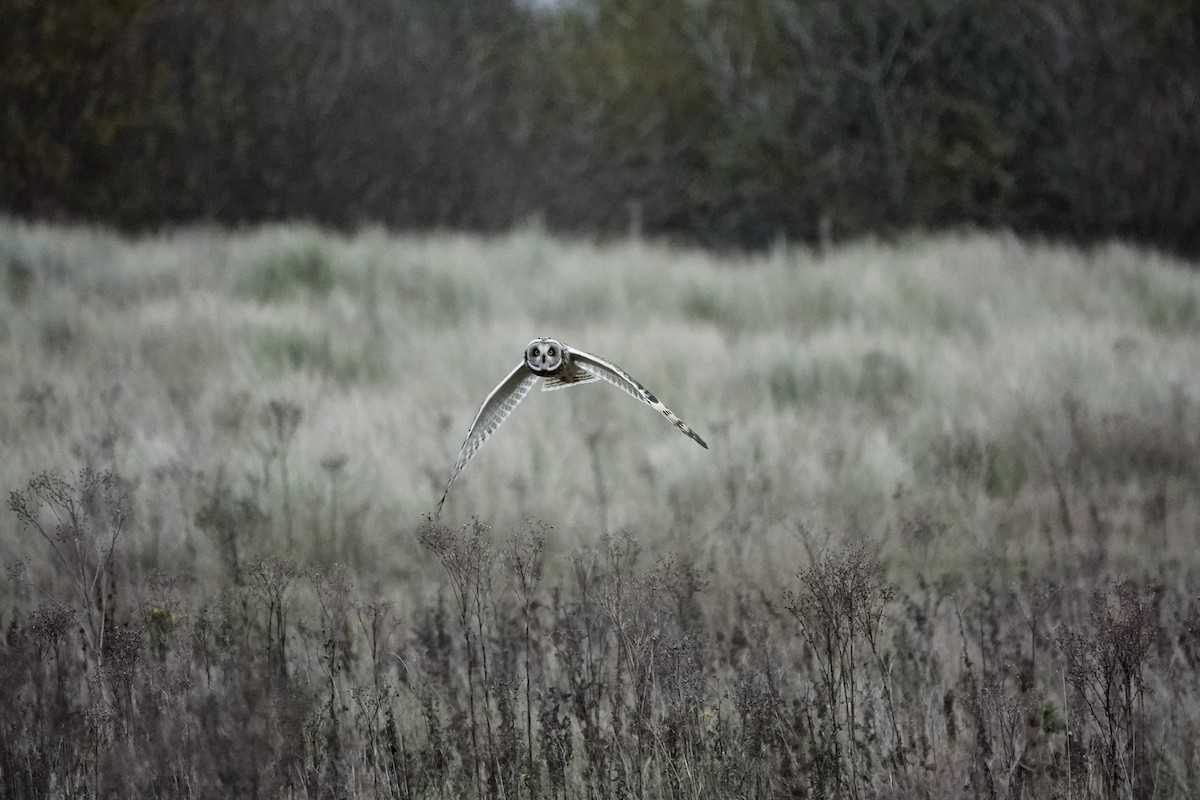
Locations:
column 536, row 352
column 550, row 352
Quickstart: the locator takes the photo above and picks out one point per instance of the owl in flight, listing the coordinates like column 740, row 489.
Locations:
column 560, row 366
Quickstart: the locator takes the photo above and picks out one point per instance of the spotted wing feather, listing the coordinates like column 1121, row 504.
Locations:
column 495, row 409
column 625, row 382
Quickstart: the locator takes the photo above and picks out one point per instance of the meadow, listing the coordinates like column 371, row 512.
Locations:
column 943, row 543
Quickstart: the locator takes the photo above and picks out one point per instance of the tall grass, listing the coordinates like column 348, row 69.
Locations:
column 944, row 537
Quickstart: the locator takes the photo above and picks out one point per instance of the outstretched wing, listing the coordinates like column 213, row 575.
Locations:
column 495, row 409
column 625, row 382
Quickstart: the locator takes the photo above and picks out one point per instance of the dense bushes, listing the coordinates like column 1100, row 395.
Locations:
column 726, row 122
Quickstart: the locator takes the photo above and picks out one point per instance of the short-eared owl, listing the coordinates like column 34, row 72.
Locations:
column 560, row 366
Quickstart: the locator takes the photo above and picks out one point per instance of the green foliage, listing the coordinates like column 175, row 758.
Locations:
column 883, row 380
column 18, row 280
column 59, row 335
column 1000, row 469
column 293, row 349
column 1174, row 312
column 278, row 351
column 160, row 629
column 1167, row 308
column 705, row 307
column 1050, row 719
column 878, row 380
column 302, row 267
column 792, row 386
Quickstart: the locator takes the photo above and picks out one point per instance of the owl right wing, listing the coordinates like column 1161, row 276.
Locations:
column 495, row 409
column 611, row 373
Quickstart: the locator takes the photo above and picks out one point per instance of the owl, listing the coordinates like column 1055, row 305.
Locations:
column 559, row 366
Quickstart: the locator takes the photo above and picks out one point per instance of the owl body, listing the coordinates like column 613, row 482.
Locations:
column 559, row 366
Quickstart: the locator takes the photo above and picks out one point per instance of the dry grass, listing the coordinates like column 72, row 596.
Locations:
column 949, row 515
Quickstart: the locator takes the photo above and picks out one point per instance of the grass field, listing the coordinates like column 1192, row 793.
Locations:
column 944, row 542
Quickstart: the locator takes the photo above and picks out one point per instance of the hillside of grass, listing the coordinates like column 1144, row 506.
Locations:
column 952, row 489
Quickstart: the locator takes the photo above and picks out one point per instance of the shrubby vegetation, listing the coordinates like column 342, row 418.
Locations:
column 621, row 676
column 943, row 544
column 721, row 122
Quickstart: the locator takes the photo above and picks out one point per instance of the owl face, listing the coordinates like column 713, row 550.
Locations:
column 545, row 356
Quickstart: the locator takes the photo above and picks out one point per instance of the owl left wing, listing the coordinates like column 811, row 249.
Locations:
column 495, row 409
column 618, row 377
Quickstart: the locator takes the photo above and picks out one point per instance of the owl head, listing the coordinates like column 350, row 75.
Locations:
column 545, row 356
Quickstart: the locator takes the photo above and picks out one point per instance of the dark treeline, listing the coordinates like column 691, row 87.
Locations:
column 721, row 122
